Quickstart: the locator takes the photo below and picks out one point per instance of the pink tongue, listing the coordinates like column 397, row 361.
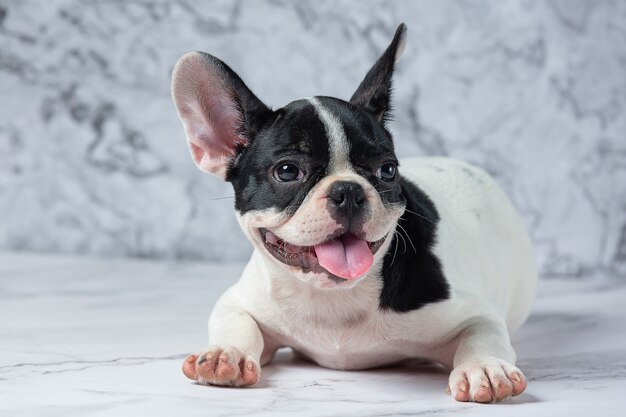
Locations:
column 346, row 256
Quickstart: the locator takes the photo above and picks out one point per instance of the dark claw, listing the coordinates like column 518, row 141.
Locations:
column 202, row 359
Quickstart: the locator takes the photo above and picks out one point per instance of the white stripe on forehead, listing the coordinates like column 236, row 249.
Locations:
column 338, row 146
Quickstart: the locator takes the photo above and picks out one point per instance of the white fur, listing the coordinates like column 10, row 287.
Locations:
column 487, row 260
column 338, row 146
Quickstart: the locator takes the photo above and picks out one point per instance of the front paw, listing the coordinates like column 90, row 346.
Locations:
column 486, row 381
column 222, row 366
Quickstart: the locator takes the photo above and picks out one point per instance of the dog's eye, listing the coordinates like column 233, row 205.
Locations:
column 387, row 172
column 288, row 172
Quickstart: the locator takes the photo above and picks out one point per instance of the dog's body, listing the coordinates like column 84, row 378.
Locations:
column 356, row 265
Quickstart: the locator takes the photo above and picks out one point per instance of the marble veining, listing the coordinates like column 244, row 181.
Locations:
column 93, row 159
column 82, row 336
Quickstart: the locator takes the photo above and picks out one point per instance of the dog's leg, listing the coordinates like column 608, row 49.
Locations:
column 234, row 355
column 484, row 369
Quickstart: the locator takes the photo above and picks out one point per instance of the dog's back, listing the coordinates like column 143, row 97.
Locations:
column 481, row 241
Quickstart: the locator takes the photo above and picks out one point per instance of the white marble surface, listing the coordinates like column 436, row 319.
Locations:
column 98, row 337
column 93, row 159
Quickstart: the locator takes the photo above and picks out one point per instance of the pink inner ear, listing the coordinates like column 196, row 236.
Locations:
column 210, row 125
column 200, row 157
column 208, row 113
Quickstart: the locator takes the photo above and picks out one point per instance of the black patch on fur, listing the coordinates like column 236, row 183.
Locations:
column 293, row 134
column 413, row 277
column 371, row 146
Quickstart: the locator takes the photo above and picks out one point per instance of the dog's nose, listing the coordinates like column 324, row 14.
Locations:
column 348, row 197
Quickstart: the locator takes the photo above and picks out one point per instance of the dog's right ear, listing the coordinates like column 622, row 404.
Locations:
column 219, row 112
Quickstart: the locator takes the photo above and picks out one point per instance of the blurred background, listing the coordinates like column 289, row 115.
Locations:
column 93, row 158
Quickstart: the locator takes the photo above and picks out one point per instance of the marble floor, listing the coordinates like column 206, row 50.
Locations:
column 97, row 337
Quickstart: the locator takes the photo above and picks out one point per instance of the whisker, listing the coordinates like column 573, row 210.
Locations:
column 408, row 237
column 223, row 198
column 419, row 215
column 403, row 242
column 395, row 249
column 392, row 203
column 410, row 212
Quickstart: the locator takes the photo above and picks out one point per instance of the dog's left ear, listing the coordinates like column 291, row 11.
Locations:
column 374, row 92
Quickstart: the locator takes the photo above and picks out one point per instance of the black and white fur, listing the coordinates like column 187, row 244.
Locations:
column 453, row 271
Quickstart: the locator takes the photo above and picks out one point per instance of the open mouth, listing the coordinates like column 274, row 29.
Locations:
column 345, row 256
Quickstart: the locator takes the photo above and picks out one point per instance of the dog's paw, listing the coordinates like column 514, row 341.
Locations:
column 217, row 366
column 486, row 381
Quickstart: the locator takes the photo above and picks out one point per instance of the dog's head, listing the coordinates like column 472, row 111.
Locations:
column 316, row 182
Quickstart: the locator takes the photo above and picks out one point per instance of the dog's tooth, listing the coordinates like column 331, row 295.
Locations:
column 271, row 238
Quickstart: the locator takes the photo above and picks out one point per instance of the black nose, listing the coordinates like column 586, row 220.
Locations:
column 348, row 197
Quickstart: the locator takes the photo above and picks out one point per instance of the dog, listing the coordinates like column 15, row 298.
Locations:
column 359, row 260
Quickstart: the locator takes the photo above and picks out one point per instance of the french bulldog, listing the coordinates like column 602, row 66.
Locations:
column 360, row 260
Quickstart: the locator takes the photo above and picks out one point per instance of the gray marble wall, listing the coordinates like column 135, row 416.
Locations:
column 93, row 158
